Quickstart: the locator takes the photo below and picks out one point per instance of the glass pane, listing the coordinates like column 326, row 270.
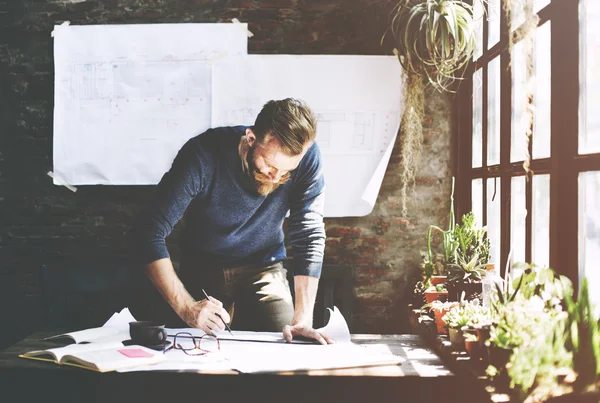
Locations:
column 589, row 134
column 589, row 231
column 493, row 132
column 517, row 218
column 518, row 143
column 493, row 218
column 477, row 200
column 494, row 13
column 540, row 221
column 541, row 126
column 478, row 18
column 477, row 119
column 517, row 15
column 539, row 4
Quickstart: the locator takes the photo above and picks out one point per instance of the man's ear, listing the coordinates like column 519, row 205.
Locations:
column 250, row 136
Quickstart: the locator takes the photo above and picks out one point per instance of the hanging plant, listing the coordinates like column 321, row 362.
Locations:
column 434, row 40
column 525, row 33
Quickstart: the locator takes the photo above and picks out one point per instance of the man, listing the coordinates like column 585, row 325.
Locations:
column 236, row 185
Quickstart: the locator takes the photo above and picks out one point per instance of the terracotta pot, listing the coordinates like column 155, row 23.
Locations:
column 435, row 280
column 432, row 295
column 456, row 339
column 472, row 347
column 483, row 334
column 439, row 323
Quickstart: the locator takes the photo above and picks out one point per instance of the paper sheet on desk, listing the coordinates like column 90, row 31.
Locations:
column 336, row 329
column 248, row 357
column 255, row 352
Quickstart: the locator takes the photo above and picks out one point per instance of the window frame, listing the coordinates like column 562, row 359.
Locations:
column 564, row 163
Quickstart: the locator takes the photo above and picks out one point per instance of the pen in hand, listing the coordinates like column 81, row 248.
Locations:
column 225, row 323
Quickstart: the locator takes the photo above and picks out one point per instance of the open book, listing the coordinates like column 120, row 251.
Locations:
column 100, row 357
column 116, row 329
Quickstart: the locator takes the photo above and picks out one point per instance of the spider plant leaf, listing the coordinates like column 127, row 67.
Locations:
column 451, row 20
column 500, row 294
column 512, row 297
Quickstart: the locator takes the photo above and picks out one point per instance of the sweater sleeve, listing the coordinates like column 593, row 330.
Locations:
column 306, row 230
column 173, row 194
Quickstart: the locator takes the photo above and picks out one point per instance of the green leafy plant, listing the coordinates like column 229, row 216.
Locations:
column 583, row 337
column 434, row 38
column 472, row 240
column 449, row 244
column 434, row 41
column 462, row 314
column 466, row 271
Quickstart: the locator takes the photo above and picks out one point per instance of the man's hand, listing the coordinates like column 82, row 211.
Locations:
column 206, row 315
column 291, row 331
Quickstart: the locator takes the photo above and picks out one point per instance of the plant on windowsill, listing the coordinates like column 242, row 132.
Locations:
column 472, row 254
column 433, row 267
column 458, row 317
column 434, row 41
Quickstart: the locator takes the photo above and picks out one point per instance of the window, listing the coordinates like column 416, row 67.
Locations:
column 551, row 216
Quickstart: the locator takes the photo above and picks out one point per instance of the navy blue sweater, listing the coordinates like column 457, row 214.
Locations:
column 228, row 223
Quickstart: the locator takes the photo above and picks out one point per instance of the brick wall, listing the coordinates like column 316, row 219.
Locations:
column 43, row 223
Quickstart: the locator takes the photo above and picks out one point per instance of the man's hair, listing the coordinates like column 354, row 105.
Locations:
column 290, row 121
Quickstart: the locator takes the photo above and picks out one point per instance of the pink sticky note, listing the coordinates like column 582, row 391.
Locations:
column 135, row 353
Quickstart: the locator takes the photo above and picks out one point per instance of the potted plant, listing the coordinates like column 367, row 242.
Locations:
column 458, row 318
column 434, row 40
column 472, row 254
column 436, row 293
column 440, row 309
column 471, row 344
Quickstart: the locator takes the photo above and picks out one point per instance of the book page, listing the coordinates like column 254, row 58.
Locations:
column 113, row 358
column 89, row 335
column 58, row 353
column 116, row 328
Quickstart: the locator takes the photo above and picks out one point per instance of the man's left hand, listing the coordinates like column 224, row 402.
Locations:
column 291, row 331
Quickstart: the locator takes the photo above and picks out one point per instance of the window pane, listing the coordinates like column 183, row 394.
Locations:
column 517, row 15
column 541, row 127
column 540, row 220
column 517, row 218
column 478, row 17
column 477, row 119
column 477, row 200
column 493, row 131
column 589, row 231
column 494, row 13
column 518, row 144
column 493, row 218
column 589, row 134
column 539, row 4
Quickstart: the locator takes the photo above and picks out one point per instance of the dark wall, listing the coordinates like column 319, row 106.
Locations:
column 43, row 223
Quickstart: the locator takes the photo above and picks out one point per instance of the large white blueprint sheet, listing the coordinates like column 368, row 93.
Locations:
column 357, row 101
column 127, row 97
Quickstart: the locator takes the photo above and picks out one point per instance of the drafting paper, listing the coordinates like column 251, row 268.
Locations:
column 357, row 101
column 127, row 97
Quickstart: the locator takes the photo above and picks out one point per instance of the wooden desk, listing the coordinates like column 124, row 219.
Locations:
column 422, row 378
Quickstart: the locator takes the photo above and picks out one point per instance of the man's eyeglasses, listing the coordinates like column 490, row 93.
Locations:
column 200, row 345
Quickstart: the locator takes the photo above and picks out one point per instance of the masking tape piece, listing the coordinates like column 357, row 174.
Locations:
column 64, row 24
column 236, row 21
column 62, row 182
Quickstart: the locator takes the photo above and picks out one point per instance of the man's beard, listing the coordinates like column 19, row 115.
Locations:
column 264, row 185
